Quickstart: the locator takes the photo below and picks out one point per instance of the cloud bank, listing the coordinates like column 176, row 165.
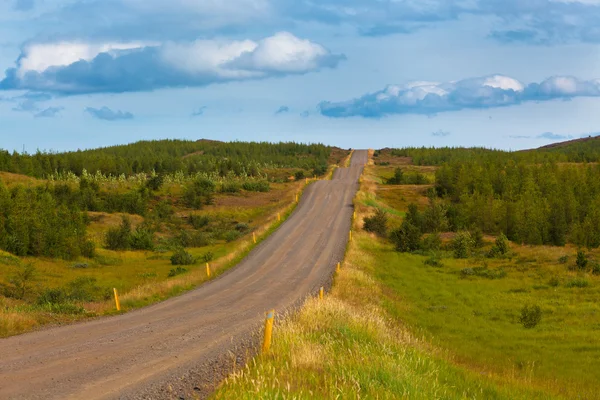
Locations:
column 79, row 68
column 529, row 21
column 107, row 114
column 430, row 98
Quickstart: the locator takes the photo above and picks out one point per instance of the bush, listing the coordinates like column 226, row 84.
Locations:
column 198, row 221
column 432, row 242
column 119, row 238
column 256, row 186
column 164, row 210
column 462, row 244
column 88, row 249
column 242, row 227
column 21, row 281
column 85, row 288
column 52, row 296
column 182, row 257
column 434, row 261
column 299, row 175
column 230, row 187
column 208, row 257
column 155, row 183
column 407, row 238
column 377, row 223
column 177, row 271
column 500, row 247
column 142, row 239
column 230, row 236
column 397, row 179
column 596, row 268
column 531, row 315
column 563, row 259
column 582, row 260
column 200, row 192
column 578, row 283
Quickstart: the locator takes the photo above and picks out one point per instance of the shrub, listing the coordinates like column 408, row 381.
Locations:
column 198, row 239
column 88, row 249
column 118, row 238
column 198, row 221
column 80, row 266
column 477, row 236
column 199, row 192
column 377, row 223
column 182, row 257
column 142, row 239
column 432, row 242
column 85, row 288
column 582, row 260
column 434, row 261
column 177, row 271
column 407, row 238
column 242, row 227
column 256, row 186
column 164, row 210
column 578, row 283
column 208, row 257
column 462, row 245
column 563, row 259
column 21, row 281
column 155, row 182
column 230, row 236
column 299, row 175
column 500, row 247
column 531, row 315
column 397, row 179
column 230, row 187
column 52, row 296
column 596, row 268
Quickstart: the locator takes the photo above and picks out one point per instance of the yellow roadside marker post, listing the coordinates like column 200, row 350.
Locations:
column 254, row 237
column 279, row 217
column 338, row 268
column 350, row 236
column 207, row 270
column 296, row 198
column 268, row 331
column 117, row 302
column 321, row 293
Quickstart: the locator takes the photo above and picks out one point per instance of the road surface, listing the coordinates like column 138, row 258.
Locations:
column 147, row 352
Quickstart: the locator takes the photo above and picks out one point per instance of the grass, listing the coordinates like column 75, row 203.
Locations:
column 353, row 344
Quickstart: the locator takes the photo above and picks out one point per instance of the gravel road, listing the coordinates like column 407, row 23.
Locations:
column 182, row 347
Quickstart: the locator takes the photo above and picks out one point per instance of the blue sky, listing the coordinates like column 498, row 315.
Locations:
column 508, row 74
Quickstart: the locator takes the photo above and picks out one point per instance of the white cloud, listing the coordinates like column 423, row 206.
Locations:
column 77, row 67
column 484, row 92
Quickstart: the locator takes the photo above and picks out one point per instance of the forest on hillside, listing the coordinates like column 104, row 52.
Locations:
column 533, row 197
column 170, row 156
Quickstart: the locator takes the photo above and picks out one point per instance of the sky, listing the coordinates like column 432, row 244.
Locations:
column 508, row 74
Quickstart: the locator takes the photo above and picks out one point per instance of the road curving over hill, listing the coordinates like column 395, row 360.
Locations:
column 176, row 348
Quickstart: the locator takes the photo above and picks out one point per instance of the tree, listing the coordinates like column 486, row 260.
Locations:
column 398, row 177
column 582, row 260
column 200, row 192
column 377, row 223
column 463, row 245
column 119, row 238
column 407, row 238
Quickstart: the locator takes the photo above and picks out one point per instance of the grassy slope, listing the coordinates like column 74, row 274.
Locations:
column 352, row 345
column 141, row 276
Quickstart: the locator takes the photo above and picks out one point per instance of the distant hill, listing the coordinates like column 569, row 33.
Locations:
column 577, row 150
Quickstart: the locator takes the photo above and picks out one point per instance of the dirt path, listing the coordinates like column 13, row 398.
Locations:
column 177, row 347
